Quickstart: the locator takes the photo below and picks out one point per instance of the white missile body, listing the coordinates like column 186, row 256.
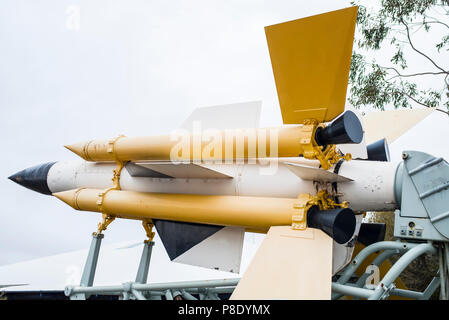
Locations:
column 365, row 185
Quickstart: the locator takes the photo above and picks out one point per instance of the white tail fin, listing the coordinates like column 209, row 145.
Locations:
column 208, row 246
column 315, row 174
column 228, row 116
column 161, row 169
column 221, row 251
column 392, row 124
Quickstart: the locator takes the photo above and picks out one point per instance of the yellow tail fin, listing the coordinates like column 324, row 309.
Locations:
column 311, row 58
column 290, row 264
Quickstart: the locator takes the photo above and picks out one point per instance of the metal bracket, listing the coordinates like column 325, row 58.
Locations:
column 299, row 220
column 311, row 150
column 148, row 226
column 103, row 225
column 387, row 291
column 116, row 175
column 108, row 218
column 111, row 146
column 305, row 201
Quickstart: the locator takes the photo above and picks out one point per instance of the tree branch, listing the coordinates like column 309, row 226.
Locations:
column 418, row 102
column 421, row 53
column 439, row 22
column 412, row 74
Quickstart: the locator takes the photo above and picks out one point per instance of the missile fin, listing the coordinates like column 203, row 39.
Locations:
column 170, row 170
column 221, row 251
column 311, row 59
column 178, row 237
column 136, row 170
column 208, row 246
column 228, row 116
column 315, row 174
column 394, row 123
column 289, row 264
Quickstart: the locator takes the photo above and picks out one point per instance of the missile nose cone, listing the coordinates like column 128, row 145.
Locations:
column 34, row 178
column 78, row 149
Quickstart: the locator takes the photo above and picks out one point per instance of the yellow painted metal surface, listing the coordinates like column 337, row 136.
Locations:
column 289, row 264
column 311, row 59
column 224, row 145
column 255, row 213
column 227, row 146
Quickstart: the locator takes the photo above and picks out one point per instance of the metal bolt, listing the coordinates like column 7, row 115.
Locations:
column 68, row 291
column 404, row 156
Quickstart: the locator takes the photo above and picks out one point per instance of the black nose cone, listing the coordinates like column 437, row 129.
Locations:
column 34, row 178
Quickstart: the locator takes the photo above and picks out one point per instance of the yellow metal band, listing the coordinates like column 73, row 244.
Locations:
column 75, row 198
column 86, row 151
column 305, row 201
column 111, row 147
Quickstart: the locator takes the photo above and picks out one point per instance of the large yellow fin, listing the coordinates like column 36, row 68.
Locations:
column 311, row 58
column 289, row 264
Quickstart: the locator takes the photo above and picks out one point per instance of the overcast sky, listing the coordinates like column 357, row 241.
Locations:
column 126, row 67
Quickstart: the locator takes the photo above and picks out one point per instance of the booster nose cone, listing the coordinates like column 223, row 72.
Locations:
column 78, row 149
column 34, row 178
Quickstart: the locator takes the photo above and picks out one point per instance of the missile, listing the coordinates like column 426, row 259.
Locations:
column 307, row 141
column 203, row 190
column 365, row 185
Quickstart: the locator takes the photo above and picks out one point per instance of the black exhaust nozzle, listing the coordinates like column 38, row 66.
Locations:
column 337, row 223
column 371, row 233
column 378, row 151
column 346, row 129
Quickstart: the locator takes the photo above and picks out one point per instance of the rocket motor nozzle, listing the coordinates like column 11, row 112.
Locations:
column 378, row 151
column 338, row 223
column 344, row 130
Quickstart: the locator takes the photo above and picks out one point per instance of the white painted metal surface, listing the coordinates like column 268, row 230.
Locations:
column 370, row 190
column 221, row 251
column 315, row 174
column 183, row 170
column 224, row 117
column 373, row 185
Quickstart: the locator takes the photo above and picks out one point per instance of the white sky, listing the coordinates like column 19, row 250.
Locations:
column 133, row 68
